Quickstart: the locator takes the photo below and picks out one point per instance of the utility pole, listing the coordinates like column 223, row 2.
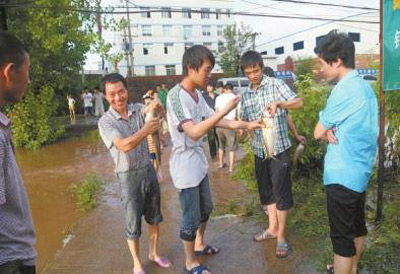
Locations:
column 126, row 49
column 3, row 15
column 130, row 49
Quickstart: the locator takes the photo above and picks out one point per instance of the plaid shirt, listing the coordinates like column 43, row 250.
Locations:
column 255, row 101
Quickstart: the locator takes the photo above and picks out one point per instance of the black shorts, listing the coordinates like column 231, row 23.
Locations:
column 346, row 218
column 273, row 180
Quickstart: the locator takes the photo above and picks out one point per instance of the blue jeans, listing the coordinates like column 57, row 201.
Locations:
column 196, row 207
column 140, row 195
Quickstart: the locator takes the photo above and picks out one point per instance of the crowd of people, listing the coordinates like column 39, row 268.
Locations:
column 93, row 103
column 348, row 123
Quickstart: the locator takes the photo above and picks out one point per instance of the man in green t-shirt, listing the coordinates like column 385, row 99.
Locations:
column 162, row 95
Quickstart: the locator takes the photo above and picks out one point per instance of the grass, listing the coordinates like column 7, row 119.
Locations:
column 308, row 219
column 86, row 191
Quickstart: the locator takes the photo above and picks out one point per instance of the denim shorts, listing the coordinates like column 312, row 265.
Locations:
column 140, row 195
column 196, row 207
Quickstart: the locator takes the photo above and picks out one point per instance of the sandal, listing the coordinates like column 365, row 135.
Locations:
column 208, row 250
column 283, row 250
column 197, row 270
column 263, row 235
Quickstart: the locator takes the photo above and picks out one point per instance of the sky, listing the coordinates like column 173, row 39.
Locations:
column 272, row 28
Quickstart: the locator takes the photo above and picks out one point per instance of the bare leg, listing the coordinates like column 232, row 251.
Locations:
column 343, row 265
column 199, row 242
column 282, row 217
column 134, row 248
column 359, row 242
column 231, row 160
column 273, row 219
column 191, row 260
column 153, row 242
column 221, row 157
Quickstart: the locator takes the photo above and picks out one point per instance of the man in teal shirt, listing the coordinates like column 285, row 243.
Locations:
column 350, row 123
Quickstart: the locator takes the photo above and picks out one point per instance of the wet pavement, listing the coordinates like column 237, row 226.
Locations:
column 99, row 245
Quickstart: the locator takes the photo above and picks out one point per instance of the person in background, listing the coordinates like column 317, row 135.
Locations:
column 226, row 137
column 71, row 107
column 87, row 98
column 210, row 96
column 17, row 235
column 98, row 102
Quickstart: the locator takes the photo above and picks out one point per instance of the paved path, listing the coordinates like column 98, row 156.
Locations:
column 99, row 245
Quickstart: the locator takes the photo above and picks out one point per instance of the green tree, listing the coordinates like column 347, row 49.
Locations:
column 236, row 41
column 305, row 66
column 58, row 35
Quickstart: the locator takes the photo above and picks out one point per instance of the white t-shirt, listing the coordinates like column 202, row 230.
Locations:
column 87, row 99
column 71, row 101
column 188, row 163
column 222, row 101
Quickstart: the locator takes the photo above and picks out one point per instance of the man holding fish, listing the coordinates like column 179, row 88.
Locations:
column 267, row 99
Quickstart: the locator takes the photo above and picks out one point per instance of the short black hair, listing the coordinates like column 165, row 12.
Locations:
column 96, row 87
column 12, row 50
column 113, row 78
column 194, row 58
column 334, row 46
column 269, row 72
column 251, row 58
column 220, row 85
column 229, row 86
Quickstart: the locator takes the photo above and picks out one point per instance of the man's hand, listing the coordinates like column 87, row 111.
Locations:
column 151, row 125
column 271, row 108
column 232, row 104
column 330, row 135
column 301, row 139
column 257, row 124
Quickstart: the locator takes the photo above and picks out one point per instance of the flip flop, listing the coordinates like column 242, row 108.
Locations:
column 162, row 262
column 283, row 248
column 264, row 235
column 196, row 270
column 329, row 269
column 208, row 250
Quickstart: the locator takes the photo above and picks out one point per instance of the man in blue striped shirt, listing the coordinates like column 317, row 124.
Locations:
column 350, row 123
column 17, row 236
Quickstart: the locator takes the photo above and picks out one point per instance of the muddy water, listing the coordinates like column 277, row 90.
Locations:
column 48, row 173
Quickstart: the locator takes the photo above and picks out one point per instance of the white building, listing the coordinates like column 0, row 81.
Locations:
column 162, row 30
column 301, row 44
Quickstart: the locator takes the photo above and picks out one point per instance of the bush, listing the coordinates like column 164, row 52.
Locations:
column 33, row 124
column 86, row 192
column 306, row 118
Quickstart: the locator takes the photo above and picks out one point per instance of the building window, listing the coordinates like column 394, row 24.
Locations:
column 218, row 14
column 263, row 52
column 228, row 13
column 168, row 47
column 167, row 30
column 355, row 36
column 318, row 38
column 187, row 31
column 279, row 50
column 146, row 30
column 166, row 12
column 150, row 70
column 145, row 12
column 205, row 13
column 206, row 30
column 188, row 45
column 187, row 13
column 220, row 30
column 147, row 48
column 220, row 46
column 170, row 69
column 208, row 45
column 298, row 45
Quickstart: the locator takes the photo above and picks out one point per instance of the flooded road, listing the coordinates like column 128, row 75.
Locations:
column 48, row 173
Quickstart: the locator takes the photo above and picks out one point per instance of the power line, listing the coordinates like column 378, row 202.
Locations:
column 102, row 11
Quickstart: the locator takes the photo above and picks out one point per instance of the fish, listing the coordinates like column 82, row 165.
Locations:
column 156, row 140
column 269, row 135
column 297, row 154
